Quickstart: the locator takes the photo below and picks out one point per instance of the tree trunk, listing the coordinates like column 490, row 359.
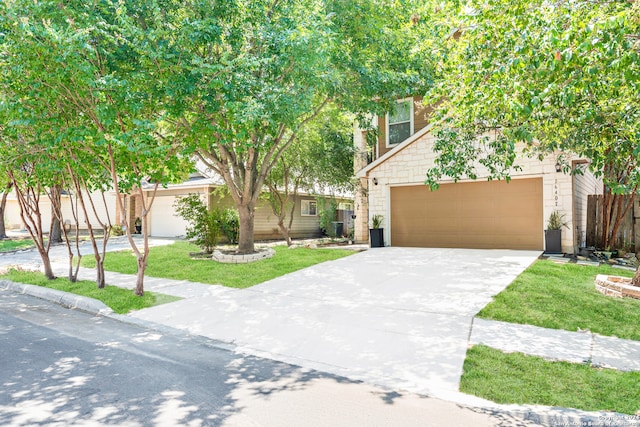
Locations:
column 46, row 264
column 3, row 205
column 142, row 265
column 56, row 231
column 3, row 231
column 286, row 232
column 55, row 234
column 100, row 279
column 245, row 236
column 636, row 278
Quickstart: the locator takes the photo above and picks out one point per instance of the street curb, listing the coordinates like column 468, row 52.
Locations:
column 65, row 299
column 98, row 308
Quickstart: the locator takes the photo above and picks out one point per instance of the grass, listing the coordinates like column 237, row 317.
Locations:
column 8, row 245
column 119, row 300
column 519, row 379
column 563, row 296
column 174, row 262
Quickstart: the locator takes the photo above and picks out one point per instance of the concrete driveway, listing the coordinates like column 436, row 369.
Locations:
column 397, row 317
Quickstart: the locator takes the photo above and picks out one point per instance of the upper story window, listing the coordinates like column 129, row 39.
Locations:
column 400, row 122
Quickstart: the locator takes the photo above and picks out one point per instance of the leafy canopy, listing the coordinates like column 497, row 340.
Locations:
column 551, row 77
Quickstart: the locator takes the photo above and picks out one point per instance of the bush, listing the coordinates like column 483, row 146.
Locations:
column 327, row 214
column 230, row 223
column 203, row 225
column 116, row 230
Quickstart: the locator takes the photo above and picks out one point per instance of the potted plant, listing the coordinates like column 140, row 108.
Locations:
column 553, row 233
column 138, row 225
column 376, row 232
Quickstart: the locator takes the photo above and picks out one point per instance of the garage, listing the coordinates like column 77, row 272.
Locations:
column 164, row 223
column 478, row 215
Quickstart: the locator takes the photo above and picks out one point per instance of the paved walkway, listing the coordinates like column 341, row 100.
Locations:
column 395, row 317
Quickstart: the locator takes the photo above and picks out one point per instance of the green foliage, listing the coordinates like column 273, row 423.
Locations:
column 527, row 380
column 556, row 221
column 117, row 230
column 327, row 213
column 119, row 300
column 174, row 262
column 230, row 224
column 376, row 221
column 539, row 77
column 204, row 224
column 563, row 296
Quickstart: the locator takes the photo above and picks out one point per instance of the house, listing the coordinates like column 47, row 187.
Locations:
column 466, row 214
column 104, row 208
column 164, row 222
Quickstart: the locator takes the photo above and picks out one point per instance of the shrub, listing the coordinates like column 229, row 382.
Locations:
column 203, row 224
column 327, row 214
column 230, row 223
column 116, row 230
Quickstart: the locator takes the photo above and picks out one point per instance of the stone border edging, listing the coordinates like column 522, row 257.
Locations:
column 616, row 288
column 263, row 253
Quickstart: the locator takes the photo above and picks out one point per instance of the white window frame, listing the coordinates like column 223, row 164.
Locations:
column 308, row 203
column 386, row 124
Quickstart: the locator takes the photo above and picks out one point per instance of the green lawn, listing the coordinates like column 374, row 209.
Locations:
column 7, row 245
column 563, row 296
column 119, row 300
column 173, row 262
column 519, row 379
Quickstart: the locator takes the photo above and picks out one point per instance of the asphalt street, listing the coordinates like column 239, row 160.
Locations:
column 62, row 367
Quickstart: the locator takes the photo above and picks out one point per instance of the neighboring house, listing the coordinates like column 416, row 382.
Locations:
column 467, row 214
column 103, row 210
column 164, row 221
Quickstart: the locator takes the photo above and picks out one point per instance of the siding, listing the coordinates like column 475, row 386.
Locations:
column 266, row 222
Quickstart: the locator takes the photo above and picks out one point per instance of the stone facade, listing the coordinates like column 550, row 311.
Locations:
column 409, row 162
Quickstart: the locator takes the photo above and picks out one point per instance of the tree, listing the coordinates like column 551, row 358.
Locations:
column 258, row 72
column 560, row 77
column 83, row 76
column 320, row 161
column 55, row 194
column 3, row 206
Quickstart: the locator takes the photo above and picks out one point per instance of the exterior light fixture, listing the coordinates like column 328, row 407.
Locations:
column 375, row 181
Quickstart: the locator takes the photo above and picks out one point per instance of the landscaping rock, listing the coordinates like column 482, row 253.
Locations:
column 616, row 286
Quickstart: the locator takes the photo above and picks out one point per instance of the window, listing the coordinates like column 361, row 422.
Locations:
column 400, row 122
column 309, row 208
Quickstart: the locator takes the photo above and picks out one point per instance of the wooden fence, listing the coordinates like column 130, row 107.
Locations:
column 628, row 236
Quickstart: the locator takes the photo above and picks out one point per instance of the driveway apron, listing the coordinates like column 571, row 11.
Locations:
column 396, row 317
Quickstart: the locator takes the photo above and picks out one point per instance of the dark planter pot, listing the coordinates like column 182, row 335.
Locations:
column 553, row 241
column 376, row 237
column 138, row 229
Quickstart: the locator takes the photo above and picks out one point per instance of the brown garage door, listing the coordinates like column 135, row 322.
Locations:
column 486, row 215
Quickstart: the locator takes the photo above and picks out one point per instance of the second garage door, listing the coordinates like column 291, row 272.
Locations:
column 164, row 222
column 483, row 215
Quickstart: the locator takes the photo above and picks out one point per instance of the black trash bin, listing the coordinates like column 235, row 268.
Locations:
column 337, row 228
